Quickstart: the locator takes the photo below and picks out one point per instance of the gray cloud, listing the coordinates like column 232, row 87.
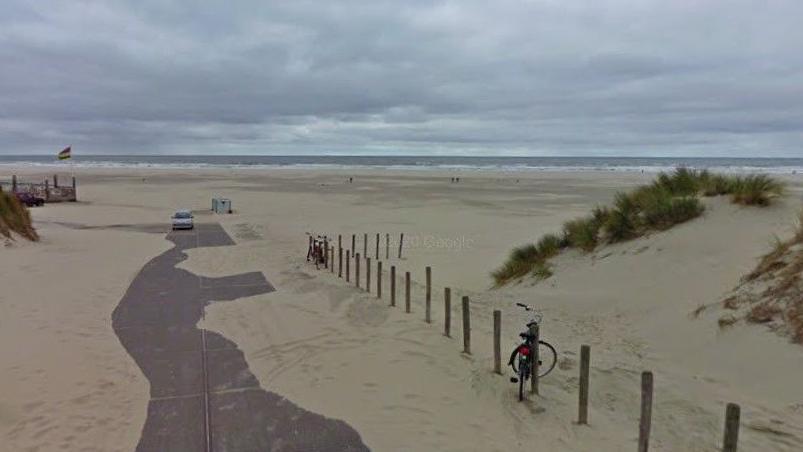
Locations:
column 603, row 77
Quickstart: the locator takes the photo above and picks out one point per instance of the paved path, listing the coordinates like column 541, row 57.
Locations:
column 203, row 396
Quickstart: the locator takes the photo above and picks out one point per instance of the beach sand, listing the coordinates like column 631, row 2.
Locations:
column 68, row 384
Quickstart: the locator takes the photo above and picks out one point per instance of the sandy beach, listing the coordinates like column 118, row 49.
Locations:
column 335, row 350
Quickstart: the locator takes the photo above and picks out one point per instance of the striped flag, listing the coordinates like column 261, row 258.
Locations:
column 65, row 153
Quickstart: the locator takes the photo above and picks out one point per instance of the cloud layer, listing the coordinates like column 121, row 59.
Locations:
column 549, row 77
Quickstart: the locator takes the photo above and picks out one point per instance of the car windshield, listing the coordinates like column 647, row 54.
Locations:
column 182, row 215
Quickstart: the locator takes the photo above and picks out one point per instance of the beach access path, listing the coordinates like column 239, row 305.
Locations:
column 203, row 396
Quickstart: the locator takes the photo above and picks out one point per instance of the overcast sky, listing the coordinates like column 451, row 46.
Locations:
column 545, row 77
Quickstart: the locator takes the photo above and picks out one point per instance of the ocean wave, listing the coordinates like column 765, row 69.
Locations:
column 771, row 166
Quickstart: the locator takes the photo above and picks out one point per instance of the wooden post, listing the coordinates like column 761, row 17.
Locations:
column 365, row 245
column 309, row 248
column 377, row 246
column 357, row 270
column 47, row 189
column 13, row 183
column 731, row 439
column 535, row 330
column 428, row 301
column 74, row 191
column 55, row 181
column 401, row 243
column 353, row 242
column 340, row 262
column 325, row 253
column 339, row 242
column 498, row 341
column 393, row 285
column 378, row 279
column 466, row 327
column 585, row 365
column 73, row 182
column 332, row 259
column 348, row 265
column 368, row 274
column 447, row 311
column 387, row 246
column 646, row 412
column 407, row 292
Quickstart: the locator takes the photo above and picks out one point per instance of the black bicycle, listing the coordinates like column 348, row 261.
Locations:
column 522, row 357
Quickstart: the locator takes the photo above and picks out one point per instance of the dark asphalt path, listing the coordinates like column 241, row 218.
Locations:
column 203, row 395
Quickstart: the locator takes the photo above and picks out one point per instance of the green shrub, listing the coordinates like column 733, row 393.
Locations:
column 600, row 215
column 582, row 233
column 672, row 211
column 682, row 181
column 622, row 221
column 717, row 185
column 524, row 253
column 548, row 246
column 511, row 269
column 756, row 190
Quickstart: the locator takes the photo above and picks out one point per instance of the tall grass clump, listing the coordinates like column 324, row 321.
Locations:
column 14, row 217
column 755, row 190
column 529, row 258
column 671, row 199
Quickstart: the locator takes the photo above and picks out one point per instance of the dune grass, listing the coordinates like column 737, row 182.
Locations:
column 671, row 199
column 780, row 284
column 14, row 217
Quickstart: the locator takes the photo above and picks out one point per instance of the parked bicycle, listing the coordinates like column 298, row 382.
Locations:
column 315, row 252
column 521, row 360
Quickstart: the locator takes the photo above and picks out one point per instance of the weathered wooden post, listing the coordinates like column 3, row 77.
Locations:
column 357, row 270
column 498, row 341
column 73, row 182
column 339, row 262
column 74, row 190
column 428, row 301
column 378, row 279
column 353, row 242
column 13, row 183
column 332, row 259
column 47, row 189
column 646, row 412
column 325, row 252
column 55, row 181
column 377, row 246
column 348, row 265
column 466, row 327
column 393, row 285
column 368, row 274
column 731, row 439
column 387, row 246
column 447, row 311
column 407, row 292
column 535, row 330
column 365, row 245
column 585, row 365
column 309, row 248
column 401, row 243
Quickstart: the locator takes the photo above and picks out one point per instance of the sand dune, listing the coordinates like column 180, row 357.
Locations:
column 398, row 381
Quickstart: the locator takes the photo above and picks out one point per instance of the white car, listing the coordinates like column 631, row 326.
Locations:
column 182, row 219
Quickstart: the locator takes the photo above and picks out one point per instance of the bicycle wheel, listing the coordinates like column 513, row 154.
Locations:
column 547, row 358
